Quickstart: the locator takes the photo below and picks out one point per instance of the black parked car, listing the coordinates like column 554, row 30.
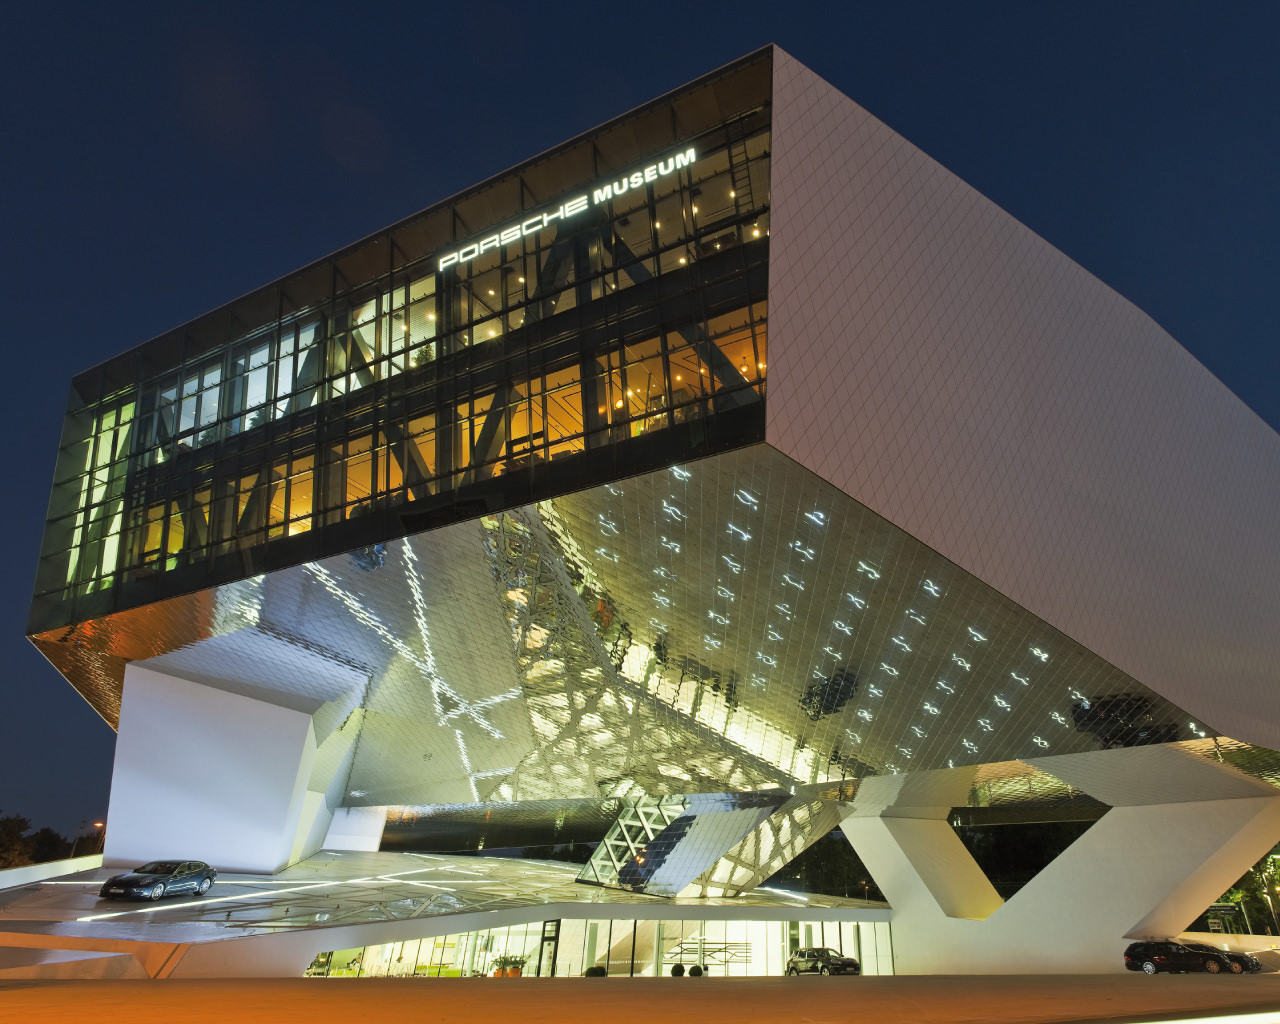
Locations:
column 821, row 960
column 1241, row 963
column 160, row 878
column 1181, row 957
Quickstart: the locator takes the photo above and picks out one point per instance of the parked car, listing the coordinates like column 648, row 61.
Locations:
column 159, row 878
column 1179, row 958
column 1241, row 963
column 821, row 960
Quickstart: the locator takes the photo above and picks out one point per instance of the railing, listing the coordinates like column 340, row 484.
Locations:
column 14, row 877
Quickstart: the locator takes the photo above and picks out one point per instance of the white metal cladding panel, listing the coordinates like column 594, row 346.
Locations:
column 954, row 372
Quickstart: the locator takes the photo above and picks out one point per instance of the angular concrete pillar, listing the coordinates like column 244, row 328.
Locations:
column 204, row 773
column 1180, row 831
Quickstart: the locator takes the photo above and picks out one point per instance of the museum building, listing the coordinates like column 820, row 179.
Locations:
column 732, row 473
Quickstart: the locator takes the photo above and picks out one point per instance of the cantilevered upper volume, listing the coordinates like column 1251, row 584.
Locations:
column 590, row 313
column 494, row 507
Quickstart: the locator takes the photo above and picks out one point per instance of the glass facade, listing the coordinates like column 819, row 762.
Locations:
column 626, row 948
column 576, row 319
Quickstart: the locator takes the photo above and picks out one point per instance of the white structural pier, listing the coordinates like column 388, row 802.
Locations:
column 1181, row 829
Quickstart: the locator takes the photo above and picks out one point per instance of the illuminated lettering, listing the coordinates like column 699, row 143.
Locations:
column 599, row 194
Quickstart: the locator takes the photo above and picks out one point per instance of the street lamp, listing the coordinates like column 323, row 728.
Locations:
column 76, row 843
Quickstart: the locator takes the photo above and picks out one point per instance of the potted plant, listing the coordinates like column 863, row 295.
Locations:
column 508, row 965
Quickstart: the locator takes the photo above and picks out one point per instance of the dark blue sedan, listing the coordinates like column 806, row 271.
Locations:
column 160, row 878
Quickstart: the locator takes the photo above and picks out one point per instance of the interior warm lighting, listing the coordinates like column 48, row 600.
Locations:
column 756, row 233
column 657, row 224
column 733, row 194
column 681, row 259
column 761, row 365
column 490, row 291
column 521, row 280
column 618, row 404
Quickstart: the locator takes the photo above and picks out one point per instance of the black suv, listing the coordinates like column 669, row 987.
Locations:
column 821, row 960
column 1180, row 957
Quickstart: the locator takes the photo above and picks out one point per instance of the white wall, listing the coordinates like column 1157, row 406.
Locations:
column 205, row 774
column 356, row 828
column 954, row 372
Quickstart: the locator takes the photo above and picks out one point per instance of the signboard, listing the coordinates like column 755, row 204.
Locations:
column 603, row 192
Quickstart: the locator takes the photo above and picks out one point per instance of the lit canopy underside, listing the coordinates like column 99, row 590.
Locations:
column 729, row 624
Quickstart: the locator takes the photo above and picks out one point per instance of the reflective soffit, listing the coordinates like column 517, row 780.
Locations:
column 735, row 623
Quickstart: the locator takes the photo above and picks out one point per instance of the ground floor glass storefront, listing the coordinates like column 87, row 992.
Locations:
column 630, row 948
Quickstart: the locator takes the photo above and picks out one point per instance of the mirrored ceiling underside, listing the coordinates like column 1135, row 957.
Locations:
column 728, row 624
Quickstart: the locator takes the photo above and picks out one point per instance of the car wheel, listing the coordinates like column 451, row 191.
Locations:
column 1237, row 967
column 203, row 887
column 824, row 969
column 1148, row 968
column 793, row 973
column 1212, row 966
column 158, row 891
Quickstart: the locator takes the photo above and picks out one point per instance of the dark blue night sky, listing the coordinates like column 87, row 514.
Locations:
column 160, row 160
